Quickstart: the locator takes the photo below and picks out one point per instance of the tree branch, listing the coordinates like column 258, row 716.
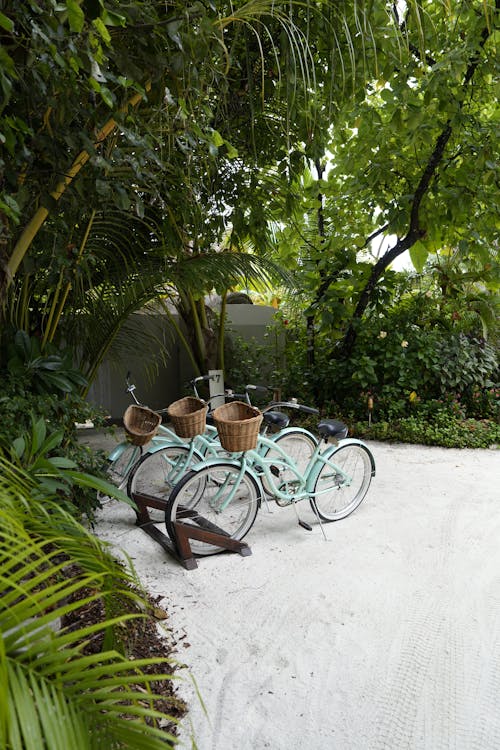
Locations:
column 415, row 231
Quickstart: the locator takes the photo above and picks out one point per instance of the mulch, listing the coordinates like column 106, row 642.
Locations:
column 137, row 638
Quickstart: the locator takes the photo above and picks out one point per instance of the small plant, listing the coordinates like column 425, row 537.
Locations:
column 37, row 453
column 50, row 372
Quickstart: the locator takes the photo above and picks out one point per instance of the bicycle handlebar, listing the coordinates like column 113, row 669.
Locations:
column 228, row 393
column 257, row 388
column 292, row 404
column 200, row 378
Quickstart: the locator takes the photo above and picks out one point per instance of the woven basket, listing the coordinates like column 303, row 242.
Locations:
column 238, row 426
column 188, row 416
column 141, row 424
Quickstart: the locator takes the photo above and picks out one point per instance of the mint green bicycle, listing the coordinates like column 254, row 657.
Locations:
column 157, row 472
column 156, row 469
column 224, row 494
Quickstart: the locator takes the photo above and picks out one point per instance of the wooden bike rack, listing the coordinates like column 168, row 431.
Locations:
column 180, row 548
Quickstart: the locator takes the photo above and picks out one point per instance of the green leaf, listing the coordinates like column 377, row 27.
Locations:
column 57, row 381
column 61, row 462
column 52, row 362
column 102, row 30
column 19, row 446
column 107, row 96
column 24, row 345
column 6, row 23
column 52, row 441
column 216, row 138
column 76, row 16
column 232, row 153
column 106, row 488
column 418, row 255
column 38, row 433
column 113, row 19
column 95, row 85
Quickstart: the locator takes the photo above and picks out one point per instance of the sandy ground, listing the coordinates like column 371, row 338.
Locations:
column 386, row 636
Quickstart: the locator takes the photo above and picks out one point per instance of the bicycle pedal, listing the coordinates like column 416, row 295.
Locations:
column 305, row 525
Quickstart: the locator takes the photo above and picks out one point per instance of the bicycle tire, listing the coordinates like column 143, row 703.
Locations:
column 334, row 497
column 157, row 473
column 297, row 444
column 193, row 502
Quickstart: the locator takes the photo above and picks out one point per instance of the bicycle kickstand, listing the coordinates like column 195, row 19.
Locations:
column 308, row 526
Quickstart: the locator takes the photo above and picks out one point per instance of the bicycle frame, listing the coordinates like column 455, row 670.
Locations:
column 257, row 464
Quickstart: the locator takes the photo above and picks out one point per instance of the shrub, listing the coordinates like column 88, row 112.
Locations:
column 443, row 430
column 27, row 397
column 52, row 573
column 415, row 376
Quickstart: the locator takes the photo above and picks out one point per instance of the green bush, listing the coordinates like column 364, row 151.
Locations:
column 443, row 430
column 428, row 383
column 53, row 575
column 50, row 372
column 54, row 397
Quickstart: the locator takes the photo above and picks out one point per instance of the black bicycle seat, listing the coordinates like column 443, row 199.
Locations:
column 276, row 419
column 332, row 428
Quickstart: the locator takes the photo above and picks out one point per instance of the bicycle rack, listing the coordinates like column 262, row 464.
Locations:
column 180, row 548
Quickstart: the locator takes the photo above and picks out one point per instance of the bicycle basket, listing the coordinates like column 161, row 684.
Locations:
column 141, row 424
column 188, row 416
column 238, row 426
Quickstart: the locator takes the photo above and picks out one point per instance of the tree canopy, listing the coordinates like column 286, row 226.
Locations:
column 139, row 133
column 413, row 156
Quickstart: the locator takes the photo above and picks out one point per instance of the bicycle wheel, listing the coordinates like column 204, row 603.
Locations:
column 217, row 499
column 119, row 468
column 299, row 446
column 335, row 495
column 157, row 473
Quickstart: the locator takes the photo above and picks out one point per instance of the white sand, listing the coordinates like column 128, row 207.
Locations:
column 387, row 636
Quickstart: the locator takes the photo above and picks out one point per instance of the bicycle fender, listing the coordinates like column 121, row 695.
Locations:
column 329, row 452
column 287, row 430
column 118, row 450
column 355, row 441
column 157, row 444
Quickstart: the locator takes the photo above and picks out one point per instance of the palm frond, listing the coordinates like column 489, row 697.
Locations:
column 222, row 270
column 53, row 694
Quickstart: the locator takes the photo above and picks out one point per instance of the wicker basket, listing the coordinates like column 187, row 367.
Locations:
column 238, row 426
column 188, row 416
column 141, row 424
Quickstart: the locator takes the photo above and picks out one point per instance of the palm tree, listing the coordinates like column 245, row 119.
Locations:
column 56, row 691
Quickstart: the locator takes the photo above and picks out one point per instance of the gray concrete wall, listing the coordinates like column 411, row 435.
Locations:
column 249, row 321
column 158, row 388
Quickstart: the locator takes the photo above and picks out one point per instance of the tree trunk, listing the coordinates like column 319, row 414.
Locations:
column 9, row 268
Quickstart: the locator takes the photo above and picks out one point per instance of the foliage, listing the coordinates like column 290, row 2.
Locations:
column 18, row 403
column 444, row 429
column 184, row 129
column 51, row 372
column 412, row 169
column 41, row 406
column 56, row 693
column 250, row 361
column 157, row 116
column 413, row 359
column 38, row 453
column 413, row 343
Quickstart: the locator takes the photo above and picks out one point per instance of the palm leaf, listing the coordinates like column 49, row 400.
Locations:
column 55, row 695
